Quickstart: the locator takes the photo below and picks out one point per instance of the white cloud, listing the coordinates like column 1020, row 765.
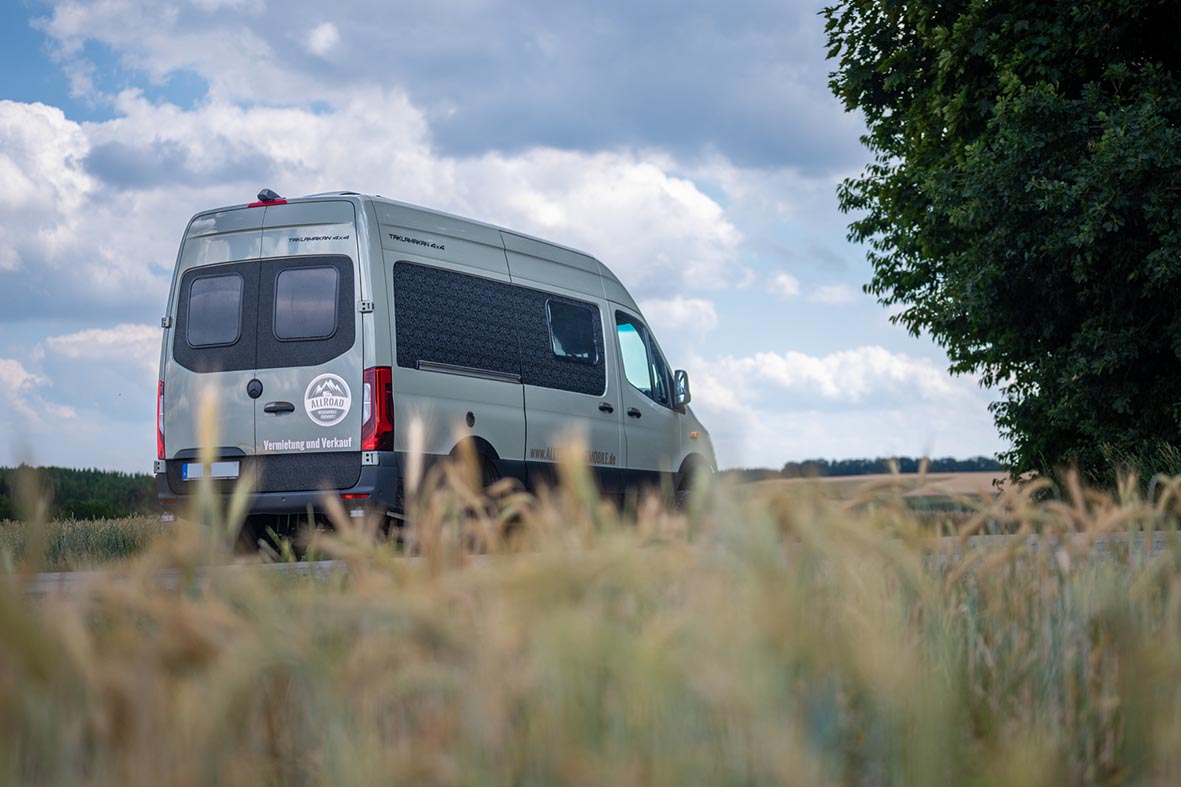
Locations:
column 134, row 346
column 668, row 317
column 86, row 398
column 770, row 407
column 767, row 197
column 42, row 180
column 217, row 5
column 784, row 285
column 658, row 232
column 120, row 367
column 864, row 375
column 503, row 75
column 323, row 38
column 117, row 235
column 17, row 385
column 833, row 294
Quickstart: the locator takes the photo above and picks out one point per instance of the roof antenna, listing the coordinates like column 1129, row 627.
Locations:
column 266, row 195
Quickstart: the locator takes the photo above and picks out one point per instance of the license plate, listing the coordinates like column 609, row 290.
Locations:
column 191, row 471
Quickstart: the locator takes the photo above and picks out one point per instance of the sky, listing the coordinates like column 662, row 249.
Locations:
column 692, row 146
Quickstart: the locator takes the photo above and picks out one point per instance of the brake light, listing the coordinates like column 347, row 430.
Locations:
column 160, row 420
column 377, row 410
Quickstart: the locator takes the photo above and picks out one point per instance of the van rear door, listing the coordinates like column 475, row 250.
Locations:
column 211, row 346
column 310, row 365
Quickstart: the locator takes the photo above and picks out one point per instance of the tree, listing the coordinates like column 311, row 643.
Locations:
column 1023, row 206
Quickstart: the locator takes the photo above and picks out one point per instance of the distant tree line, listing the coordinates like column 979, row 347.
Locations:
column 79, row 494
column 811, row 468
column 820, row 468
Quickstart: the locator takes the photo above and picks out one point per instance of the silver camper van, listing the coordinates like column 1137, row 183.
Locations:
column 323, row 326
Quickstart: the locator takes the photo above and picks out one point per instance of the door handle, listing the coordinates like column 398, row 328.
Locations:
column 606, row 407
column 633, row 412
column 279, row 407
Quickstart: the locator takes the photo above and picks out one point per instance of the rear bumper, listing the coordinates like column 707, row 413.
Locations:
column 381, row 485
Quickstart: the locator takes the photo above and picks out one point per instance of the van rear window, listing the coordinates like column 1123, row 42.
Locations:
column 305, row 303
column 215, row 311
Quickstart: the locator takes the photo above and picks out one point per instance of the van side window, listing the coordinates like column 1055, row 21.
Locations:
column 643, row 364
column 661, row 376
column 635, row 357
column 543, row 317
column 215, row 311
column 572, row 331
column 305, row 303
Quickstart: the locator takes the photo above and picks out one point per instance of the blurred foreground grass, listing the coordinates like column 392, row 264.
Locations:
column 776, row 639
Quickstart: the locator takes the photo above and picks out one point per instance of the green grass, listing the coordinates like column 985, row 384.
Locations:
column 754, row 639
column 77, row 544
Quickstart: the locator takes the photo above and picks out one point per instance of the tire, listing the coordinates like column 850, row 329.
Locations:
column 693, row 475
column 489, row 475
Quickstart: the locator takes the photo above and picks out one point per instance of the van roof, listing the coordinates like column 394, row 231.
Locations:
column 614, row 289
column 324, row 195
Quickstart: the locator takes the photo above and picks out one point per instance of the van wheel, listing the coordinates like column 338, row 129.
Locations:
column 489, row 475
column 692, row 477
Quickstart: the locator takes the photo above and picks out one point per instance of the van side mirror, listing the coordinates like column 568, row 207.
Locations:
column 684, row 395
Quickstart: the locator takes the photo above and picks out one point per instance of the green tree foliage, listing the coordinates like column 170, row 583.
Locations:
column 80, row 494
column 1024, row 206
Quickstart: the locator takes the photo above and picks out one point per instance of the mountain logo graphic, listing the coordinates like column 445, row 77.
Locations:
column 327, row 400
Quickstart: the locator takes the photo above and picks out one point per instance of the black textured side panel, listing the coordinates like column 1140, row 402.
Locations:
column 274, row 352
column 539, row 365
column 225, row 358
column 453, row 318
column 282, row 473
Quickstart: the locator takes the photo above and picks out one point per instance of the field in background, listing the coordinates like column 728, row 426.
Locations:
column 77, row 544
column 774, row 638
column 912, row 486
column 72, row 544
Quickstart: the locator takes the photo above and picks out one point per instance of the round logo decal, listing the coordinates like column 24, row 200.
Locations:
column 327, row 400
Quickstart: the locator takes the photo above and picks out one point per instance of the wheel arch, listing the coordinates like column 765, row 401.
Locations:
column 480, row 447
column 693, row 465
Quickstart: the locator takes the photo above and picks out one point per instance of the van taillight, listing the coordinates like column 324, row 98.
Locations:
column 377, row 410
column 160, row 420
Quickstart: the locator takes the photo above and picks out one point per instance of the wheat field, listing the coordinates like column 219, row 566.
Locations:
column 783, row 638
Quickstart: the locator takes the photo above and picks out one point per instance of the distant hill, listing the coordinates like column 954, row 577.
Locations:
column 824, row 468
column 82, row 494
